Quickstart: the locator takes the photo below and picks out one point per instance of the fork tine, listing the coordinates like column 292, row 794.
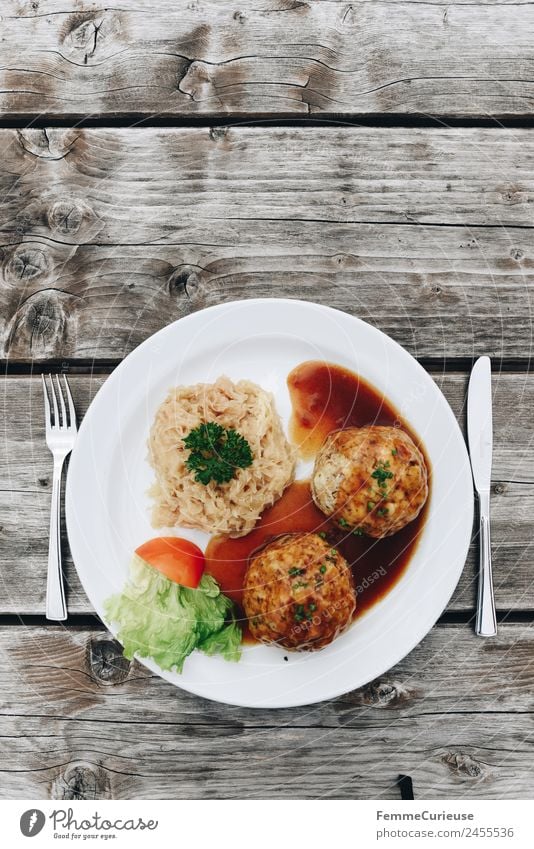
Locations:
column 48, row 414
column 54, row 402
column 64, row 423
column 72, row 411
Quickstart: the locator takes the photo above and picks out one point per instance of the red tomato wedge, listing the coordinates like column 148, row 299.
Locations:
column 176, row 558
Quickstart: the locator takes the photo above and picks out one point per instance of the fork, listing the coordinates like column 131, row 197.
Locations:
column 60, row 438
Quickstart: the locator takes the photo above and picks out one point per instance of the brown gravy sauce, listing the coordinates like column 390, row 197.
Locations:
column 324, row 397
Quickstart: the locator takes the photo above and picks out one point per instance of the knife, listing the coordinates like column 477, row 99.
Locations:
column 480, row 435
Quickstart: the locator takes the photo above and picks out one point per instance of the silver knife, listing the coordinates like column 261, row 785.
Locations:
column 480, row 434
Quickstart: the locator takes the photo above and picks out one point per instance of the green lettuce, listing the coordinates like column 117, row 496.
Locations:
column 160, row 619
column 226, row 642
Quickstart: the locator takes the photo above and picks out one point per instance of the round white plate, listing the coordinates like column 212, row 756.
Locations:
column 108, row 509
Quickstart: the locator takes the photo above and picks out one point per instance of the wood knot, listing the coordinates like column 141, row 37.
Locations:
column 499, row 488
column 91, row 37
column 240, row 17
column 44, row 481
column 107, row 662
column 385, row 694
column 217, row 133
column 184, row 280
column 513, row 194
column 463, row 765
column 50, row 144
column 39, row 326
column 517, row 254
column 26, row 263
column 45, row 316
column 66, row 217
column 70, row 219
column 195, row 81
column 342, row 260
column 82, row 781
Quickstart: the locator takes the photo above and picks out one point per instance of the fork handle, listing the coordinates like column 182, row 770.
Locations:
column 56, row 608
column 486, row 622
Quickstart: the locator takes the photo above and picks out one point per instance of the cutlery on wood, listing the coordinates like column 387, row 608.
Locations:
column 60, row 419
column 480, row 435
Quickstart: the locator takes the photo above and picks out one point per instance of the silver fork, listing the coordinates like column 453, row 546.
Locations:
column 60, row 438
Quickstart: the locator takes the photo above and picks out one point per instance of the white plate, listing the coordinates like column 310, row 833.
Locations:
column 107, row 506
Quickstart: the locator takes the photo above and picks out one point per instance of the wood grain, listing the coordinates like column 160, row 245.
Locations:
column 267, row 57
column 81, row 722
column 25, row 471
column 107, row 235
column 145, row 185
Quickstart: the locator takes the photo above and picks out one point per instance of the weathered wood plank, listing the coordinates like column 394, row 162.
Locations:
column 105, row 236
column 454, row 757
column 456, row 715
column 81, row 672
column 143, row 185
column 268, row 57
column 440, row 292
column 25, row 471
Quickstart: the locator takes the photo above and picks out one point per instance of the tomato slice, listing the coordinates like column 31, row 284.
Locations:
column 176, row 558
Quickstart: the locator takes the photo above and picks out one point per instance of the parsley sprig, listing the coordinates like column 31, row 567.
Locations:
column 382, row 474
column 216, row 453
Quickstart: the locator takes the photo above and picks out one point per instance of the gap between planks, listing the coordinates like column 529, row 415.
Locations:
column 434, row 365
column 92, row 621
column 128, row 120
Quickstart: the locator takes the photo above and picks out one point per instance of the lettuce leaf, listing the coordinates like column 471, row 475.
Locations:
column 161, row 619
column 226, row 642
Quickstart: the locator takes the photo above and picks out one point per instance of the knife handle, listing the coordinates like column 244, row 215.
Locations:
column 486, row 621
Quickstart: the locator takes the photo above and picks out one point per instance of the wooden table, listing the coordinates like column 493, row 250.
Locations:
column 157, row 158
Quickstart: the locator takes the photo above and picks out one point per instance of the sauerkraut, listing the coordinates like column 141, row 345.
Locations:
column 231, row 508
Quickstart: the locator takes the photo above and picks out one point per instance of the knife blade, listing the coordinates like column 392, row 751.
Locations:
column 480, row 423
column 480, row 437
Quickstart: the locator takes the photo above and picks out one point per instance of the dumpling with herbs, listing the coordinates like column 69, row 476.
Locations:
column 298, row 592
column 370, row 479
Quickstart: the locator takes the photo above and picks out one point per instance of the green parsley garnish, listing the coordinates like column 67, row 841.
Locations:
column 381, row 474
column 294, row 571
column 370, row 505
column 216, row 453
column 322, row 534
column 358, row 532
column 394, row 452
column 343, row 522
column 300, row 612
column 382, row 511
column 312, row 606
column 322, row 569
